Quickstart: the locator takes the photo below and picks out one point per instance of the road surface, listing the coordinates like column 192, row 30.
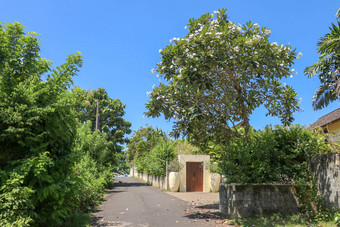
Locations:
column 133, row 203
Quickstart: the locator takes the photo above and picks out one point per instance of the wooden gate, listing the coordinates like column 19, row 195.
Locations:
column 194, row 176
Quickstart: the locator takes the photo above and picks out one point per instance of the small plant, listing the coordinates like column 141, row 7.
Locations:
column 214, row 168
column 175, row 166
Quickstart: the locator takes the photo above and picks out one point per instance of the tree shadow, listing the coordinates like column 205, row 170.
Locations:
column 206, row 212
column 98, row 222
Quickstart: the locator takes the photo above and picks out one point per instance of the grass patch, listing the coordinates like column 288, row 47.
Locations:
column 279, row 220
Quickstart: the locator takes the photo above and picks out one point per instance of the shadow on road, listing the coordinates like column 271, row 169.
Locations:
column 206, row 212
column 129, row 184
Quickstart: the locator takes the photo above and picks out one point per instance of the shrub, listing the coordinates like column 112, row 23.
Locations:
column 278, row 154
column 155, row 161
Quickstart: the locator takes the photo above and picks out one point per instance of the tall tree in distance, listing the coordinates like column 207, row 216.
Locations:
column 327, row 68
column 217, row 75
column 111, row 112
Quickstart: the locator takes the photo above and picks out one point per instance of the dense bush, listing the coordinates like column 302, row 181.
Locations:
column 155, row 161
column 141, row 143
column 278, row 154
column 52, row 168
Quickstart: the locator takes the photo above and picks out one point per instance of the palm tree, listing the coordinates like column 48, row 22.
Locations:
column 327, row 68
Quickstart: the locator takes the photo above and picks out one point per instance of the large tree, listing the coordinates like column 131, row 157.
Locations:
column 217, row 75
column 111, row 112
column 327, row 68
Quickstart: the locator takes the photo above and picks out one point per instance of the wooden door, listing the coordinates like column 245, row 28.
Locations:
column 194, row 176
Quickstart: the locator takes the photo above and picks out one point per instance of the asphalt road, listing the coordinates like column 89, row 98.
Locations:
column 133, row 203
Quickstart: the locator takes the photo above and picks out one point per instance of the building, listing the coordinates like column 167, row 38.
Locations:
column 331, row 124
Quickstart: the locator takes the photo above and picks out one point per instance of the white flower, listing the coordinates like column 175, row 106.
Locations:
column 160, row 50
column 238, row 28
column 153, row 86
column 170, row 40
column 281, row 65
column 293, row 70
column 148, row 93
column 158, row 76
column 249, row 42
column 185, row 27
column 299, row 55
column 267, row 32
column 153, row 70
column 236, row 49
column 256, row 25
column 274, row 43
column 256, row 37
column 291, row 76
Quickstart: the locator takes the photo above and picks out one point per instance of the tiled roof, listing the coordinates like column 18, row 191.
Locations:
column 328, row 118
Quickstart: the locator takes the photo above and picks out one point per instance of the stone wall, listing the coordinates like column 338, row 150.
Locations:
column 253, row 199
column 326, row 171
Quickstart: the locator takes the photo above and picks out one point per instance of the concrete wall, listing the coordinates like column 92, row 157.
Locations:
column 326, row 169
column 156, row 181
column 183, row 159
column 248, row 200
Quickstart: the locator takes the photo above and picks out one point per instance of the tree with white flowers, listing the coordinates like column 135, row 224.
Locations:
column 217, row 75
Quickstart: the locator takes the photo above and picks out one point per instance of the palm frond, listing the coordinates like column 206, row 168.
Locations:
column 323, row 96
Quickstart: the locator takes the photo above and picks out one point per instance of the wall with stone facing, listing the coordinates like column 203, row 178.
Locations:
column 253, row 199
column 326, row 169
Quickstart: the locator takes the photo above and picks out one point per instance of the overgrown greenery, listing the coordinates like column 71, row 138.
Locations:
column 53, row 168
column 141, row 143
column 274, row 154
column 150, row 149
column 279, row 155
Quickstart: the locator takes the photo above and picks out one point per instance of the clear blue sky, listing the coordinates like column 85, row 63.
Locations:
column 120, row 41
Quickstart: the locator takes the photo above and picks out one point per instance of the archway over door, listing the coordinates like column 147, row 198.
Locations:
column 194, row 176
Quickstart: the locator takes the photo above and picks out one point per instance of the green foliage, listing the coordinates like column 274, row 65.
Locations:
column 141, row 143
column 277, row 220
column 111, row 121
column 327, row 68
column 183, row 147
column 15, row 205
column 278, row 154
column 52, row 168
column 95, row 144
column 311, row 204
column 217, row 75
column 155, row 161
column 175, row 166
column 37, row 130
column 111, row 113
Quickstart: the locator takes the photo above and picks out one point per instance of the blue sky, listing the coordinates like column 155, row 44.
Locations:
column 120, row 41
